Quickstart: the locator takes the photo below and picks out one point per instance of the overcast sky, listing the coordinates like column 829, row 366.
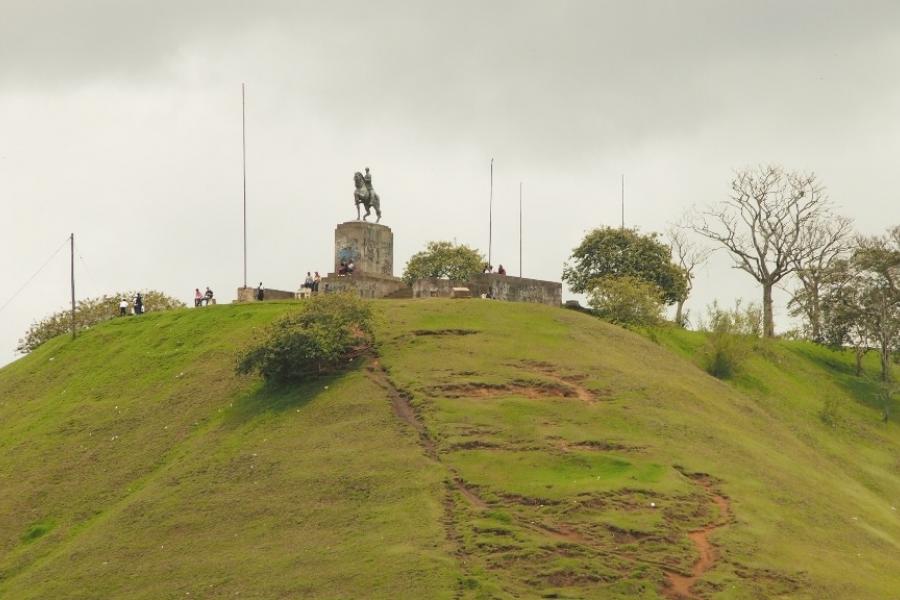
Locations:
column 121, row 121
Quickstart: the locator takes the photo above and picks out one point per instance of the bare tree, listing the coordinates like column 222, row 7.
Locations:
column 824, row 240
column 761, row 225
column 688, row 255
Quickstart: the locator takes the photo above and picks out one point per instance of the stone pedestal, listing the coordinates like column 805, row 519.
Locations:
column 369, row 245
column 371, row 248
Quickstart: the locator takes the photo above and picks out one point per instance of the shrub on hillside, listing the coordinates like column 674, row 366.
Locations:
column 627, row 301
column 88, row 313
column 330, row 331
column 731, row 336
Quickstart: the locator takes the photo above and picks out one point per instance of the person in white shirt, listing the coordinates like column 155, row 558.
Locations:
column 123, row 307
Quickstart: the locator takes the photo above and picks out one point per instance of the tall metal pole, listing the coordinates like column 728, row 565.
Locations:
column 244, row 164
column 520, row 229
column 623, row 200
column 72, row 277
column 491, row 217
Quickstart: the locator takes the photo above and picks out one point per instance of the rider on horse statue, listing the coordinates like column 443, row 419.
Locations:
column 365, row 195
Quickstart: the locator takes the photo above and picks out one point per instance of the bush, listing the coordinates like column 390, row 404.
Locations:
column 330, row 331
column 88, row 313
column 730, row 335
column 740, row 320
column 627, row 300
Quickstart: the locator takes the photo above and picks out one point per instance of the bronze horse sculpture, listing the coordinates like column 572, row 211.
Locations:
column 366, row 196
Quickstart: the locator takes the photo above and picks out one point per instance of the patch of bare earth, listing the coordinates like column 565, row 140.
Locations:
column 679, row 585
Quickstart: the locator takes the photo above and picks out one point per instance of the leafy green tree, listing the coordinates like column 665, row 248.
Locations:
column 444, row 260
column 862, row 303
column 324, row 336
column 609, row 253
column 88, row 313
column 627, row 300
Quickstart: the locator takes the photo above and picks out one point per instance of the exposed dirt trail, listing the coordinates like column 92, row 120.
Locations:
column 681, row 586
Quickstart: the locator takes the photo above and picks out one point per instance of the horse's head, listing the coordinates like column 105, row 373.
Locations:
column 357, row 178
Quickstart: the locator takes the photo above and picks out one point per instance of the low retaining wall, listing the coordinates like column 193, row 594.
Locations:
column 248, row 294
column 366, row 285
column 501, row 287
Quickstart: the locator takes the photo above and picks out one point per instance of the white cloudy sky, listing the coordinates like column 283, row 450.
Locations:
column 120, row 121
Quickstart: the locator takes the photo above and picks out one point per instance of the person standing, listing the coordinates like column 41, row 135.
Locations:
column 260, row 294
column 123, row 307
column 308, row 282
column 138, row 304
column 316, row 281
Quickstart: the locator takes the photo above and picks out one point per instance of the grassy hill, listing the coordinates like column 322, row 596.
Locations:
column 491, row 450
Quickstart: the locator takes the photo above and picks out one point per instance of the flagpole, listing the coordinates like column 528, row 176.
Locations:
column 244, row 166
column 520, row 229
column 72, row 276
column 491, row 217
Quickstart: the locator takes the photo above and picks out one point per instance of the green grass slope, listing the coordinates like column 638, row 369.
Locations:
column 490, row 450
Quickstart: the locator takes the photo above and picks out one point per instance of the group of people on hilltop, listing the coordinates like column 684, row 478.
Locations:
column 204, row 298
column 488, row 268
column 312, row 282
column 136, row 305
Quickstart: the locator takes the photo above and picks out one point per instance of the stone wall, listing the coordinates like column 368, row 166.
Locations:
column 248, row 294
column 363, row 284
column 501, row 287
column 369, row 245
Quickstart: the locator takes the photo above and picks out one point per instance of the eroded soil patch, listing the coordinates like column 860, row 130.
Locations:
column 421, row 332
column 528, row 389
column 679, row 584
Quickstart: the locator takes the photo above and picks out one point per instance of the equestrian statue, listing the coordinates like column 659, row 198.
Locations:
column 365, row 195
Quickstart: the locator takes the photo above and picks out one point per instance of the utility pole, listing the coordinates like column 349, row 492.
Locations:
column 491, row 217
column 520, row 230
column 244, row 164
column 72, row 275
column 623, row 200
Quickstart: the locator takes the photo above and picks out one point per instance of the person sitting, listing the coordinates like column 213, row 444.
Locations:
column 123, row 307
column 501, row 270
column 308, row 282
column 198, row 298
column 316, row 281
column 350, row 267
column 208, row 296
column 342, row 270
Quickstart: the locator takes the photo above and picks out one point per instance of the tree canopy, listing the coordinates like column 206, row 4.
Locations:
column 612, row 252
column 457, row 262
column 89, row 312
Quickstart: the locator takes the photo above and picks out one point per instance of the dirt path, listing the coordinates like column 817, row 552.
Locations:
column 681, row 586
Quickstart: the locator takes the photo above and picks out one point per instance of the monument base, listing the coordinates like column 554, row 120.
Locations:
column 248, row 294
column 366, row 285
column 494, row 285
